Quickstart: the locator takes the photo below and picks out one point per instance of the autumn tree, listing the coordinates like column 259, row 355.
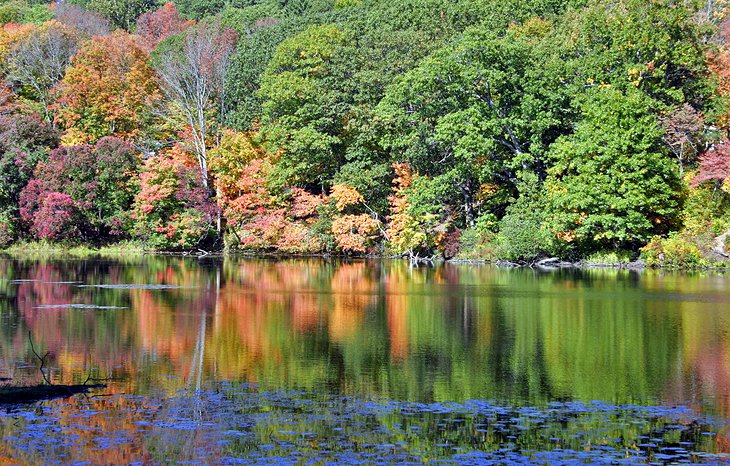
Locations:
column 25, row 140
column 406, row 233
column 257, row 217
column 155, row 26
column 239, row 166
column 715, row 167
column 173, row 209
column 192, row 78
column 683, row 133
column 38, row 61
column 10, row 33
column 354, row 232
column 91, row 187
column 109, row 89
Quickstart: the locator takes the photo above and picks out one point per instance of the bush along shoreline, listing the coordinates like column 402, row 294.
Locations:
column 592, row 131
column 683, row 257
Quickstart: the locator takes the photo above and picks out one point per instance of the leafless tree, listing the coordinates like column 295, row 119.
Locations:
column 683, row 133
column 39, row 61
column 88, row 23
column 192, row 79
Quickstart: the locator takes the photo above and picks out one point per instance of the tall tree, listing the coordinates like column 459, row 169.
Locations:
column 612, row 184
column 305, row 104
column 478, row 111
column 192, row 77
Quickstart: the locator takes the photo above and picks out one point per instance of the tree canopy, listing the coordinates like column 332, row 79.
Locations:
column 551, row 127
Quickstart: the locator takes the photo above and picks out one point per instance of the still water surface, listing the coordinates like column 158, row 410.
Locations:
column 236, row 360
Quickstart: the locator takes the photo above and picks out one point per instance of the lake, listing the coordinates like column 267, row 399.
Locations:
column 231, row 360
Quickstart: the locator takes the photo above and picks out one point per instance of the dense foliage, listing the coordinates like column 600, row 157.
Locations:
column 470, row 128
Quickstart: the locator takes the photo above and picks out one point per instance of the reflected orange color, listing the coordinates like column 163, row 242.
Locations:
column 353, row 292
column 305, row 311
column 396, row 302
column 306, row 323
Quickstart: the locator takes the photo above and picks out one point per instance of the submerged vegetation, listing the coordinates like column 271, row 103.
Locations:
column 590, row 130
column 234, row 423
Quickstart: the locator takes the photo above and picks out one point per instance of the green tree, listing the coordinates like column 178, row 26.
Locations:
column 479, row 111
column 612, row 184
column 303, row 109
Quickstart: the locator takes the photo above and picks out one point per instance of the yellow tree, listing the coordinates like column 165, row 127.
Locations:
column 109, row 89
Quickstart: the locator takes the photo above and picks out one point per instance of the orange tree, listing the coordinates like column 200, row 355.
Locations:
column 109, row 89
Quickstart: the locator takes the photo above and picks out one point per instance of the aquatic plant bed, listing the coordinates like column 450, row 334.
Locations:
column 239, row 424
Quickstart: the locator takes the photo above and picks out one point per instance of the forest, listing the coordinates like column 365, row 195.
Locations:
column 589, row 130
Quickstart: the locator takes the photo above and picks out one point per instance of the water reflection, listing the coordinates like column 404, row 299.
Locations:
column 370, row 329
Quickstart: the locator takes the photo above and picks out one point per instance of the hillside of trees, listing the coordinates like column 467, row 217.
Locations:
column 512, row 129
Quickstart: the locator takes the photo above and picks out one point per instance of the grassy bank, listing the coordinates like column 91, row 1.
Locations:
column 665, row 258
column 74, row 249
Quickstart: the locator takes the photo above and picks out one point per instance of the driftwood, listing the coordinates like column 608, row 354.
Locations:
column 34, row 393
column 10, row 394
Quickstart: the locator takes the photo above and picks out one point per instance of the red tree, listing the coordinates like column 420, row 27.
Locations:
column 154, row 26
column 714, row 165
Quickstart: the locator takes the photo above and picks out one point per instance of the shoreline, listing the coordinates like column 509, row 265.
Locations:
column 130, row 249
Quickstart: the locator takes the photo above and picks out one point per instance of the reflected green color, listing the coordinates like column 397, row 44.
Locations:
column 367, row 330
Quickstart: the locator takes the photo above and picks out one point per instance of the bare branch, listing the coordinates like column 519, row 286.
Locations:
column 43, row 359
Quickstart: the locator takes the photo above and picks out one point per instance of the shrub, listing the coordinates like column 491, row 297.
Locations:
column 7, row 230
column 523, row 234
column 673, row 252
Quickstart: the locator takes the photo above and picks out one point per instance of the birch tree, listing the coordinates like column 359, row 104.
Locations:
column 192, row 79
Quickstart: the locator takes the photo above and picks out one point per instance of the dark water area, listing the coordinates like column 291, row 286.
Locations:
column 229, row 361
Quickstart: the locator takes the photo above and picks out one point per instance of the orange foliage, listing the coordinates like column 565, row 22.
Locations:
column 353, row 232
column 354, row 291
column 109, row 89
column 10, row 33
column 304, row 204
column 259, row 220
column 345, row 196
column 404, row 231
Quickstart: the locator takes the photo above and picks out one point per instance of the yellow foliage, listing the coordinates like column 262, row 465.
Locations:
column 353, row 232
column 345, row 196
column 228, row 161
column 487, row 189
column 10, row 34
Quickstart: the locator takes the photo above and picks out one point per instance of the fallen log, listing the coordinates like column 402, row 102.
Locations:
column 34, row 393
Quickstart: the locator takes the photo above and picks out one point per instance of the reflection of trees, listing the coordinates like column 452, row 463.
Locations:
column 450, row 332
